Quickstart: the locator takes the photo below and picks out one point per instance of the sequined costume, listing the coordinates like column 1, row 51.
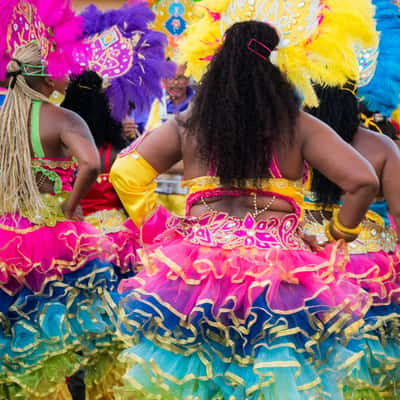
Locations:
column 231, row 308
column 56, row 283
column 373, row 265
column 103, row 209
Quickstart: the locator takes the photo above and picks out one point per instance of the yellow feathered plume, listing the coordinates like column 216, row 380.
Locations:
column 396, row 116
column 317, row 42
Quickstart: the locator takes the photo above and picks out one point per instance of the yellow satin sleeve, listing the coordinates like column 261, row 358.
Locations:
column 154, row 120
column 133, row 178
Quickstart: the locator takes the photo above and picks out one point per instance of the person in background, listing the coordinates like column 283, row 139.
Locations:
column 374, row 254
column 101, row 205
column 178, row 95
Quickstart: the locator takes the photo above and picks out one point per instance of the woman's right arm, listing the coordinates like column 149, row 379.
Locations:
column 76, row 137
column 340, row 163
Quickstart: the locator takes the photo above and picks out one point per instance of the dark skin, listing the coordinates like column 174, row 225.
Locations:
column 315, row 142
column 384, row 156
column 64, row 134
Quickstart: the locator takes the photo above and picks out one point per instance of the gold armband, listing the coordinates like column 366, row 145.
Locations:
column 328, row 233
column 340, row 228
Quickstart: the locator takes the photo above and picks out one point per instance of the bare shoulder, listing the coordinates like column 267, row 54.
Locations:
column 307, row 126
column 374, row 141
column 67, row 120
column 306, row 121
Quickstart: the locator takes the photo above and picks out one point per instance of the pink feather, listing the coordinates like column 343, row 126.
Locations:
column 65, row 30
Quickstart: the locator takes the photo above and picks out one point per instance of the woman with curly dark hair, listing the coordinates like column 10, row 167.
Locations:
column 232, row 302
column 101, row 206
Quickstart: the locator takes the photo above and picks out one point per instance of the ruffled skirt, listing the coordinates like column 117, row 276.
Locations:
column 374, row 265
column 57, row 309
column 238, row 309
column 125, row 236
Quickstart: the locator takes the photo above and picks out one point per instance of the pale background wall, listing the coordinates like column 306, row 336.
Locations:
column 79, row 5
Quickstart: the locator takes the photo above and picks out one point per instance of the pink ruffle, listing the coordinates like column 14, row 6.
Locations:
column 126, row 243
column 31, row 255
column 183, row 274
column 378, row 273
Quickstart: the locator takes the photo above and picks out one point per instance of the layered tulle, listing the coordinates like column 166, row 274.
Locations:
column 57, row 307
column 376, row 375
column 253, row 315
column 32, row 255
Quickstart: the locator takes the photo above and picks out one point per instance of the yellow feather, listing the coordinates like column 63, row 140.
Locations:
column 327, row 55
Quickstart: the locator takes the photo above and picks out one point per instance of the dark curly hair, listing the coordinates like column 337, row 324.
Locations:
column 86, row 97
column 244, row 107
column 339, row 109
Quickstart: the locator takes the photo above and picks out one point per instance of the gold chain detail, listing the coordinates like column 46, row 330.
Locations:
column 256, row 212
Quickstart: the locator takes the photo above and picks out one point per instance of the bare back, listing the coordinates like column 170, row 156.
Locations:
column 375, row 148
column 314, row 142
column 54, row 122
column 292, row 169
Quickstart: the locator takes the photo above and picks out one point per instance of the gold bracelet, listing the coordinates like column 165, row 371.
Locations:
column 337, row 235
column 340, row 228
column 328, row 233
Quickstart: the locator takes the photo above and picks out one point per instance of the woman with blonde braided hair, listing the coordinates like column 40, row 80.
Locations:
column 57, row 271
column 21, row 194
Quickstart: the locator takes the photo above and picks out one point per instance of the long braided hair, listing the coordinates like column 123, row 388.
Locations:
column 19, row 191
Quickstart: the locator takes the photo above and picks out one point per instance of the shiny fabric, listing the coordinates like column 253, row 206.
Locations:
column 101, row 197
column 57, row 311
column 374, row 266
column 285, row 189
column 239, row 319
column 229, row 308
column 103, row 209
column 134, row 180
column 58, row 299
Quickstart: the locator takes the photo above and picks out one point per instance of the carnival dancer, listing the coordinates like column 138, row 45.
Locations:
column 127, row 54
column 232, row 303
column 57, row 274
column 101, row 206
column 374, row 262
column 178, row 94
column 129, row 59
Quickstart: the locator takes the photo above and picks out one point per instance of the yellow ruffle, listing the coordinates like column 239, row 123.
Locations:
column 107, row 221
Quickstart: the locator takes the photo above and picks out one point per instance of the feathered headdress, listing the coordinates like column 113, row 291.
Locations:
column 379, row 85
column 128, row 55
column 51, row 23
column 317, row 44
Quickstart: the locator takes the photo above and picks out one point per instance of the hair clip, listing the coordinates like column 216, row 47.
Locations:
column 262, row 48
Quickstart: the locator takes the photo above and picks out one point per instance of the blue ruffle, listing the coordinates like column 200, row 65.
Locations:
column 75, row 315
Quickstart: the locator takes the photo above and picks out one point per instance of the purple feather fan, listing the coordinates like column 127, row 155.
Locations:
column 128, row 55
